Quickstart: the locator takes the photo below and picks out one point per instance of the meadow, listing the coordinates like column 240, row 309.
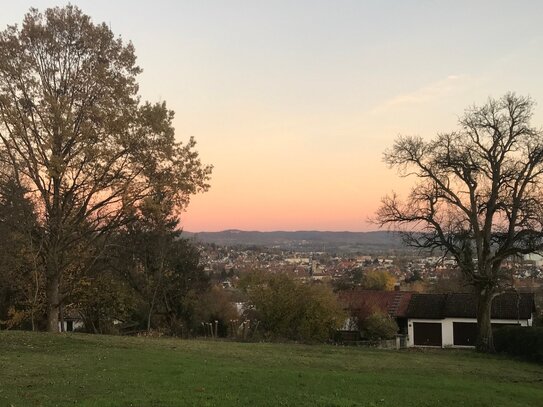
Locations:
column 40, row 369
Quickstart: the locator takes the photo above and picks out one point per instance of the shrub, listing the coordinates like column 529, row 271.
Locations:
column 378, row 326
column 290, row 309
column 526, row 342
column 212, row 305
column 538, row 320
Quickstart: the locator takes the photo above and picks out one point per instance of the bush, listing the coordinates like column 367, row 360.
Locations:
column 212, row 305
column 538, row 320
column 526, row 342
column 290, row 309
column 378, row 326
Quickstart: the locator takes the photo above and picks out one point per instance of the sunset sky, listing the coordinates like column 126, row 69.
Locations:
column 294, row 102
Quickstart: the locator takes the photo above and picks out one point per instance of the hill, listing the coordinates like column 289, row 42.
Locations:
column 380, row 241
column 39, row 369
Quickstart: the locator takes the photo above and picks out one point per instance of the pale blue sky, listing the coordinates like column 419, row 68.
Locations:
column 294, row 101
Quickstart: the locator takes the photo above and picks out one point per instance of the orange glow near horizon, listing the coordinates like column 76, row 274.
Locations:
column 294, row 103
column 286, row 183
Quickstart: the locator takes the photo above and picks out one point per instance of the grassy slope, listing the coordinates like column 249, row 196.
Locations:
column 87, row 370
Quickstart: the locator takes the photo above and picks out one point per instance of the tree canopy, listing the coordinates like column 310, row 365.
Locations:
column 75, row 133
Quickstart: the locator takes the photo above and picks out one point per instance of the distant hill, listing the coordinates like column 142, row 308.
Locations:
column 306, row 240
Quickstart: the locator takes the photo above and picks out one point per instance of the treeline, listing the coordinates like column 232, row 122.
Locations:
column 142, row 277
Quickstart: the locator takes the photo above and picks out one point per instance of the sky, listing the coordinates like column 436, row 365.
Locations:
column 294, row 102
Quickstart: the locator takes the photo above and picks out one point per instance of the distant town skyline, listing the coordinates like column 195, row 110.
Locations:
column 295, row 102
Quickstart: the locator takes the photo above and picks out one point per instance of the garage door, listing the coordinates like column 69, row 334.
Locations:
column 427, row 333
column 464, row 333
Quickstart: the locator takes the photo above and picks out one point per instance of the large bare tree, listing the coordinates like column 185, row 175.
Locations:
column 74, row 132
column 478, row 196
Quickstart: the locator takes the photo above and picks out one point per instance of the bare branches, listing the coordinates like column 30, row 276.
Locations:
column 479, row 188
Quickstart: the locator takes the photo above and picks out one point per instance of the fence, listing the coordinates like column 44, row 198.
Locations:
column 399, row 342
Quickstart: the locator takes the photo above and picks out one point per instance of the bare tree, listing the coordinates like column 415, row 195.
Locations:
column 478, row 196
column 74, row 132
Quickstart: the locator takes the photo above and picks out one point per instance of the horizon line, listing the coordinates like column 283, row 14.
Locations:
column 288, row 231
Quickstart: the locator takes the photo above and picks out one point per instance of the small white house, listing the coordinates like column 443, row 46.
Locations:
column 70, row 324
column 450, row 320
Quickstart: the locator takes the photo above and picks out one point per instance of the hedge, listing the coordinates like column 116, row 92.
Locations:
column 525, row 342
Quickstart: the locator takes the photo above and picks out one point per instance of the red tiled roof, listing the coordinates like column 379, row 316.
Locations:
column 433, row 306
column 393, row 303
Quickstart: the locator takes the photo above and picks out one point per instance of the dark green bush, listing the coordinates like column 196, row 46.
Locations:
column 290, row 309
column 378, row 326
column 526, row 342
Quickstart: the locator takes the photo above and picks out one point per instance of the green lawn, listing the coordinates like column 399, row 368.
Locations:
column 91, row 370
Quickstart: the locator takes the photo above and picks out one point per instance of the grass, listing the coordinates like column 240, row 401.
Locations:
column 38, row 369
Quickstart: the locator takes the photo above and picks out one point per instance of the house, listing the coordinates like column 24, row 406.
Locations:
column 450, row 320
column 70, row 322
column 440, row 320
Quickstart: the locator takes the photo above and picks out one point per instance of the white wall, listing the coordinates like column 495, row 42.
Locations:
column 447, row 328
column 77, row 325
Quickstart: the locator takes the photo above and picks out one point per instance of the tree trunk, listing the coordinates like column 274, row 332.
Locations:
column 35, row 298
column 485, row 341
column 151, row 309
column 53, row 302
column 61, row 318
column 153, row 300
